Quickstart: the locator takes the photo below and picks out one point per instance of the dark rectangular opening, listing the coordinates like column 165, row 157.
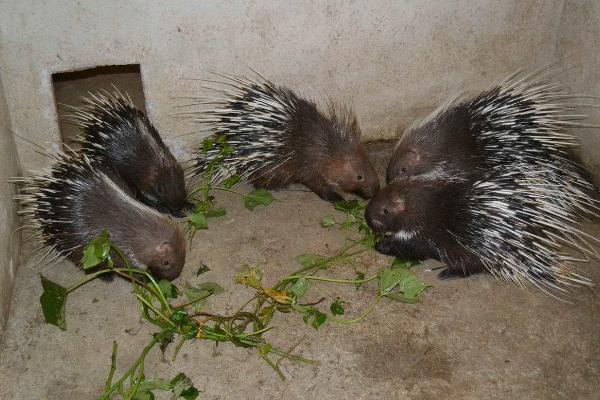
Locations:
column 70, row 87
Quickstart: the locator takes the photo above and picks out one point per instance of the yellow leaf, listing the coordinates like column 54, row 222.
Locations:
column 280, row 296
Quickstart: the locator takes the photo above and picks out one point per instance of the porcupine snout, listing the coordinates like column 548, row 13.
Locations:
column 384, row 209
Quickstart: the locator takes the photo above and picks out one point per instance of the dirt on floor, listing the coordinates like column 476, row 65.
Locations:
column 473, row 338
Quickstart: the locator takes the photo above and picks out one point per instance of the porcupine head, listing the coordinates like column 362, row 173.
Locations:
column 410, row 207
column 440, row 145
column 336, row 157
column 165, row 257
column 149, row 239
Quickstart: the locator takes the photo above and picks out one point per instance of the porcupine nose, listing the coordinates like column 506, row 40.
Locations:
column 376, row 214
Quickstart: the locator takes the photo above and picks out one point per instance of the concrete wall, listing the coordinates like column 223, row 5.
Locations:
column 9, row 239
column 393, row 59
column 578, row 43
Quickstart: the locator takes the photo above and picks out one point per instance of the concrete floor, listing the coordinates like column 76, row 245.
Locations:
column 469, row 339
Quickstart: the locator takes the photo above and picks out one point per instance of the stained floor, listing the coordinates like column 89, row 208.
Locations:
column 467, row 339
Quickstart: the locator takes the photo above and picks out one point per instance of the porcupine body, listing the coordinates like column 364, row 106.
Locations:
column 279, row 138
column 75, row 201
column 509, row 201
column 118, row 135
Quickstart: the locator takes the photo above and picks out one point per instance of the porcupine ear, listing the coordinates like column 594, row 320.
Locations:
column 398, row 205
column 413, row 157
column 164, row 248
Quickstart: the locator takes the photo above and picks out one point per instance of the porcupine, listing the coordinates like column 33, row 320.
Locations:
column 74, row 201
column 117, row 134
column 279, row 138
column 505, row 202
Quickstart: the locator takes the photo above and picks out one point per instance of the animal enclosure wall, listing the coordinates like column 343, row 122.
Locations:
column 394, row 60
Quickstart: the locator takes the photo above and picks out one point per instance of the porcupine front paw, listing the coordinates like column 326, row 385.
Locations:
column 386, row 246
column 449, row 275
column 328, row 193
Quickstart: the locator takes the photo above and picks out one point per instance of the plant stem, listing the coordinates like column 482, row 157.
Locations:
column 133, row 368
column 229, row 190
column 113, row 366
column 360, row 317
column 325, row 279
column 150, row 306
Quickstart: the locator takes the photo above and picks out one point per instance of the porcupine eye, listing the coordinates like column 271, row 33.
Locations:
column 403, row 169
column 359, row 178
column 166, row 262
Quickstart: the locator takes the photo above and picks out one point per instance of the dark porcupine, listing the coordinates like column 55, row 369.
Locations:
column 279, row 138
column 507, row 202
column 73, row 202
column 118, row 135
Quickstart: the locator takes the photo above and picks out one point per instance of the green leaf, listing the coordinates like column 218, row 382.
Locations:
column 402, row 263
column 259, row 197
column 319, row 319
column 411, row 292
column 389, row 278
column 327, row 221
column 207, row 145
column 347, row 205
column 198, row 219
column 203, row 291
column 265, row 349
column 221, row 139
column 143, row 394
column 53, row 301
column 308, row 260
column 168, row 290
column 202, row 206
column 96, row 251
column 232, row 180
column 299, row 287
column 251, row 276
column 337, row 308
column 179, row 317
column 316, row 317
column 202, row 269
column 183, row 388
column 215, row 212
column 401, row 284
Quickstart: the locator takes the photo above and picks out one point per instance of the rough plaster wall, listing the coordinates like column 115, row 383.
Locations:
column 393, row 59
column 9, row 240
column 579, row 43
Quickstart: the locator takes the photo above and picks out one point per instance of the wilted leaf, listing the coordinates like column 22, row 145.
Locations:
column 202, row 269
column 280, row 296
column 299, row 287
column 251, row 276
